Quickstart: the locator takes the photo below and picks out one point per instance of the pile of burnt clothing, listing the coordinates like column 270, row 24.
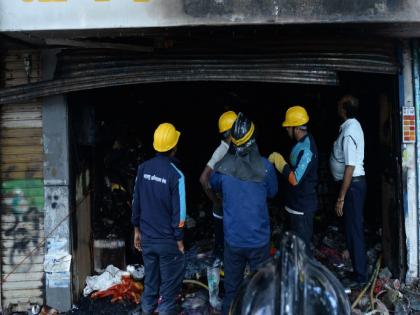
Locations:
column 330, row 250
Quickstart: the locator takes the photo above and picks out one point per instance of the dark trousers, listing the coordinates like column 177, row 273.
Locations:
column 303, row 226
column 235, row 260
column 164, row 269
column 353, row 222
column 218, row 238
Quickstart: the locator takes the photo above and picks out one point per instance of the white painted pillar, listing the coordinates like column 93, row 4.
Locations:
column 409, row 169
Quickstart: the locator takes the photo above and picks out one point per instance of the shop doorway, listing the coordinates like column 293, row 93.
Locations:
column 112, row 131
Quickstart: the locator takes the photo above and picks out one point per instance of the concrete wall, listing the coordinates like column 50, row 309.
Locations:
column 27, row 15
column 409, row 169
column 57, row 195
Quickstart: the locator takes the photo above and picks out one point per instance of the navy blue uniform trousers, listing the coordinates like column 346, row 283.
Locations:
column 354, row 203
column 218, row 238
column 164, row 269
column 235, row 260
column 303, row 226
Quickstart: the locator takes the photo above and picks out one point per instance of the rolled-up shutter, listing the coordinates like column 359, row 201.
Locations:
column 22, row 188
column 310, row 61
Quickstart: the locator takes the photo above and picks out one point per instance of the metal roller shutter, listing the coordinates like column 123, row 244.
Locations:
column 22, row 188
column 312, row 61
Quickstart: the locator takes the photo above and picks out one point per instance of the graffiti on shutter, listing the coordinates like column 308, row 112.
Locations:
column 22, row 188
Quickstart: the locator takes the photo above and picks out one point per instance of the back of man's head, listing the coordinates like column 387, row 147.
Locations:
column 350, row 105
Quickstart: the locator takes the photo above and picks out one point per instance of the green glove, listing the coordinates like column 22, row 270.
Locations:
column 278, row 160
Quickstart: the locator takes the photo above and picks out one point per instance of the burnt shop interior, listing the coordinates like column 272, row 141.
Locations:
column 112, row 132
column 190, row 78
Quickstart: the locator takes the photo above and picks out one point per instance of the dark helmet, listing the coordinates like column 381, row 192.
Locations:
column 292, row 285
column 243, row 133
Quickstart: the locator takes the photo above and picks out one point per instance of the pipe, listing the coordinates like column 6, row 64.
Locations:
column 374, row 275
column 196, row 283
column 372, row 288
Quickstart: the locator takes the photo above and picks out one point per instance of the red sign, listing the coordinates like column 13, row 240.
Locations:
column 409, row 124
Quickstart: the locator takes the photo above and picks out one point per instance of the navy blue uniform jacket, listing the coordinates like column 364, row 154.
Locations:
column 246, row 220
column 159, row 206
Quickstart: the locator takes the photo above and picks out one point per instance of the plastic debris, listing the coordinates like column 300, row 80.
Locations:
column 213, row 279
column 36, row 309
column 396, row 284
column 136, row 271
column 111, row 276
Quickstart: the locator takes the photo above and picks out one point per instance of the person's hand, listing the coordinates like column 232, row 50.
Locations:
column 339, row 207
column 278, row 160
column 180, row 245
column 137, row 240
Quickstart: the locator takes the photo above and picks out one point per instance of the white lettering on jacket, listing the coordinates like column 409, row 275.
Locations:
column 154, row 178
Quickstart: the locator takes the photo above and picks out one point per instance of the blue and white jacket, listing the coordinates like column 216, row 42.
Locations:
column 302, row 175
column 159, row 204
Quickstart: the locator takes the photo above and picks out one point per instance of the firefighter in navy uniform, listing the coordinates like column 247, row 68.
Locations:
column 301, row 174
column 245, row 179
column 158, row 215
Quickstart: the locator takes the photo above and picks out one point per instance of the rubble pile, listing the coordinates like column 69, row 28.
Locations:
column 112, row 292
column 88, row 306
column 197, row 259
column 385, row 295
column 196, row 303
column 330, row 250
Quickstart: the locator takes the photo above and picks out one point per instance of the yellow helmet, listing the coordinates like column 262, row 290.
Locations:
column 296, row 116
column 165, row 138
column 226, row 121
